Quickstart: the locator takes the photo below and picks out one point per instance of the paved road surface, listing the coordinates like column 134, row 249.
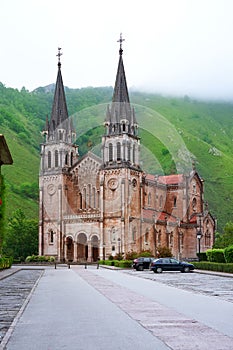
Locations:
column 98, row 309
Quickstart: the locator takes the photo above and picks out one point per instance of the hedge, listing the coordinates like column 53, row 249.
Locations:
column 228, row 253
column 216, row 255
column 117, row 263
column 213, row 266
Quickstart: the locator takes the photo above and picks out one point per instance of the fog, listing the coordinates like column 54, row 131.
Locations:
column 180, row 47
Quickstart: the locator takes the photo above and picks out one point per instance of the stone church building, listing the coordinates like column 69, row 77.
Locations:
column 93, row 207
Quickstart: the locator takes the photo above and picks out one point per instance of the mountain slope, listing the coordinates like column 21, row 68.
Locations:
column 203, row 130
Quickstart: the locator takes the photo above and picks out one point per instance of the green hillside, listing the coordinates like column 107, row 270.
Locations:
column 174, row 132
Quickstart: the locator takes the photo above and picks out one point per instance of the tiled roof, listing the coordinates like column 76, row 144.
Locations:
column 171, row 179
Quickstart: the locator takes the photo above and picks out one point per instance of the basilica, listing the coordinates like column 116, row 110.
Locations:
column 96, row 207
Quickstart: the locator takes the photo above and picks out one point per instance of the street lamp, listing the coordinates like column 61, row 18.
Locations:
column 199, row 235
column 103, row 251
column 119, row 245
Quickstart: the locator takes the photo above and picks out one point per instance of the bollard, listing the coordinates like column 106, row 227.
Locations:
column 85, row 265
column 97, row 265
column 68, row 266
column 55, row 265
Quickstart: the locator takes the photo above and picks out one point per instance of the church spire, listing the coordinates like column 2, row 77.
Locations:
column 120, row 90
column 59, row 110
column 120, row 116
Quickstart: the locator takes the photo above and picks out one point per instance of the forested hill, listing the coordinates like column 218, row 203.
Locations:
column 205, row 129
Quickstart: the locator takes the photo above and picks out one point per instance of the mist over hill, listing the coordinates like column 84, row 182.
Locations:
column 204, row 128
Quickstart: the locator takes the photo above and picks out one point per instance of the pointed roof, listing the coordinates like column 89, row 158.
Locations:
column 59, row 109
column 5, row 155
column 120, row 90
column 120, row 109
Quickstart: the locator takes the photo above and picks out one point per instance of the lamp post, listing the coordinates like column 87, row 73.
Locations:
column 103, row 251
column 199, row 235
column 119, row 245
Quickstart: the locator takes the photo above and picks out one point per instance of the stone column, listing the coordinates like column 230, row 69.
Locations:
column 75, row 251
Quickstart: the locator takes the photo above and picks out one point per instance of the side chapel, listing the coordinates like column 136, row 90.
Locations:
column 93, row 207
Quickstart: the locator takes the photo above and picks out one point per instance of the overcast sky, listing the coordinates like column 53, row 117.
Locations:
column 171, row 46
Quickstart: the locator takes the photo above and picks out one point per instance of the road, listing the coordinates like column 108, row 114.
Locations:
column 92, row 308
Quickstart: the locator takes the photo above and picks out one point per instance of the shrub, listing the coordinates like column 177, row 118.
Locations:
column 145, row 253
column 125, row 263
column 5, row 262
column 215, row 255
column 202, row 256
column 163, row 252
column 131, row 255
column 228, row 254
column 119, row 256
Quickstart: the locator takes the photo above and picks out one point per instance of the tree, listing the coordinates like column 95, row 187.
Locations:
column 21, row 238
column 226, row 238
column 2, row 211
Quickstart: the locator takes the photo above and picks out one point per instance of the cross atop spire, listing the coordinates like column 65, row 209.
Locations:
column 59, row 56
column 120, row 41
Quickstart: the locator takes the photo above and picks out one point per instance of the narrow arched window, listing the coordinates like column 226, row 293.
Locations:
column 89, row 195
column 51, row 236
column 56, row 159
column 49, row 159
column 129, row 152
column 84, row 198
column 133, row 153
column 71, row 158
column 94, row 197
column 149, row 198
column 60, row 135
column 80, row 201
column 174, row 202
column 118, row 151
column 160, row 201
column 66, row 159
column 194, row 204
column 110, row 150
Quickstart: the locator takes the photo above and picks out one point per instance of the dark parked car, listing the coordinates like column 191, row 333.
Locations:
column 170, row 264
column 142, row 263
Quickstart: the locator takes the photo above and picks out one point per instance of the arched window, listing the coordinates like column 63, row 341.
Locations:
column 94, row 197
column 134, row 234
column 129, row 152
column 159, row 237
column 149, row 198
column 174, row 202
column 51, row 236
column 84, row 198
column 56, row 159
column 49, row 159
column 110, row 154
column 66, row 159
column 194, row 204
column 89, row 195
column 118, row 151
column 60, row 135
column 161, row 201
column 134, row 154
column 71, row 158
column 80, row 201
column 123, row 127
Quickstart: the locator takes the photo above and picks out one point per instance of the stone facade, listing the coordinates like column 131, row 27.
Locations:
column 95, row 207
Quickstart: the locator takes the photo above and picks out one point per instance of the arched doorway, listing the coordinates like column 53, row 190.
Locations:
column 95, row 247
column 69, row 249
column 82, row 248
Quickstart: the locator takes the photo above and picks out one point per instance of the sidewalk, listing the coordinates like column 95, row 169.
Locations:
column 65, row 312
